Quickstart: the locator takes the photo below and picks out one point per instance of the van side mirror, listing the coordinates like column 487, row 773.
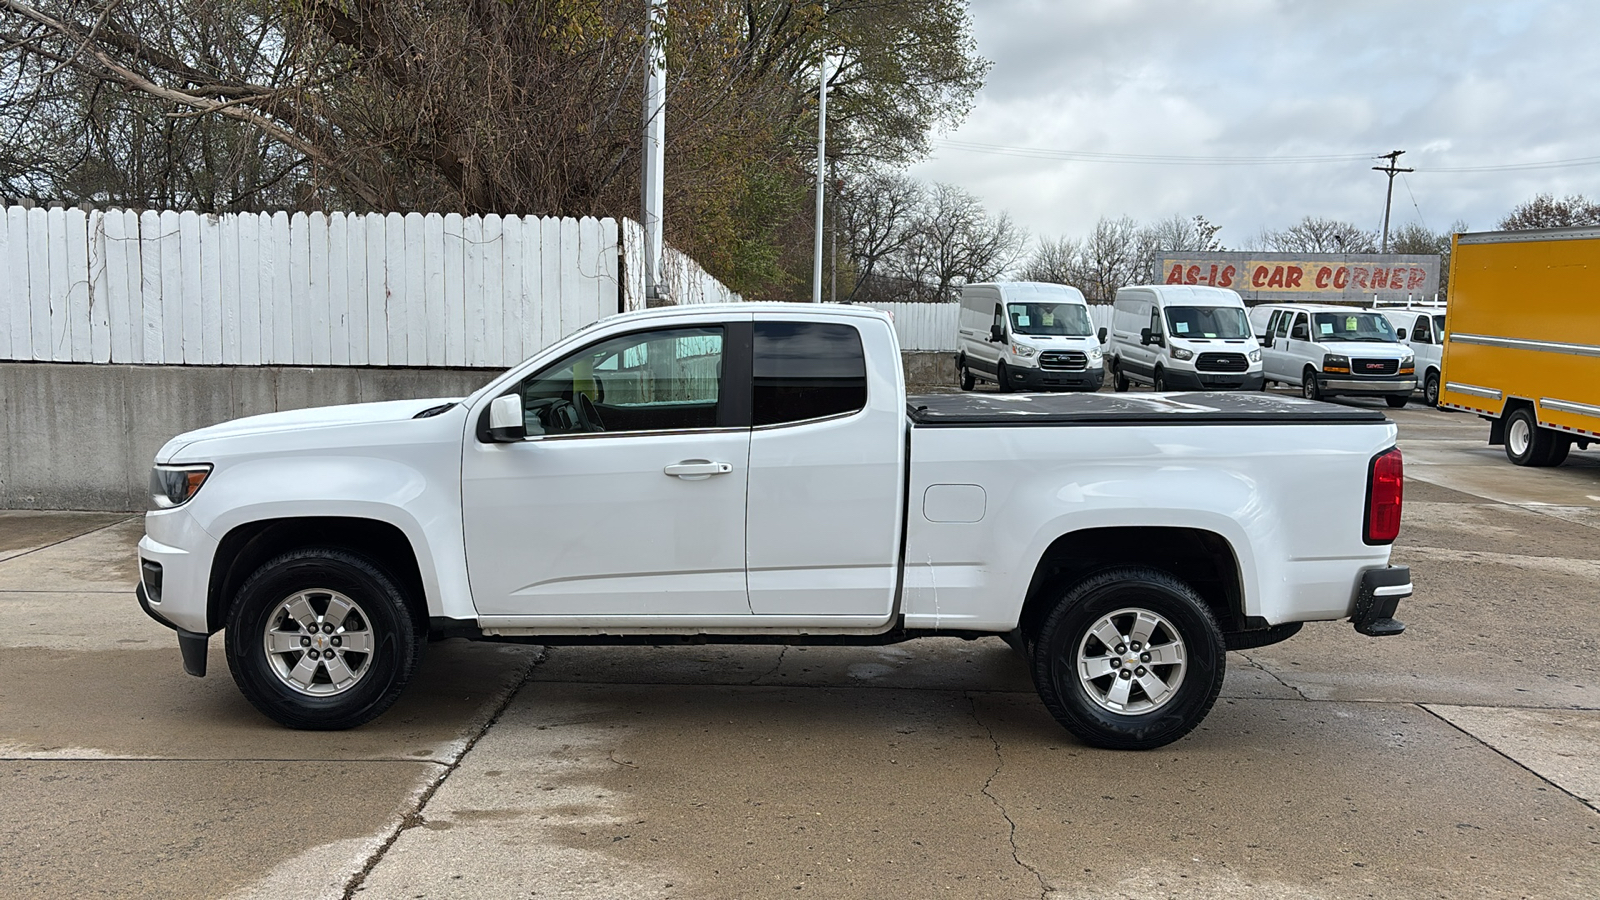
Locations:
column 997, row 334
column 1147, row 337
column 1400, row 333
column 506, row 422
column 1102, row 335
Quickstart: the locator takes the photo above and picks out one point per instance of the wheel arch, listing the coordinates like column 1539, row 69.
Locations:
column 247, row 546
column 1203, row 559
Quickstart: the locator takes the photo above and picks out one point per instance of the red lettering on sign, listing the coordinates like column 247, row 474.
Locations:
column 1415, row 278
column 1175, row 276
column 1276, row 279
column 1324, row 275
column 1294, row 276
column 1227, row 277
column 1359, row 275
column 1341, row 277
column 1192, row 276
column 1380, row 278
column 1212, row 278
column 1258, row 278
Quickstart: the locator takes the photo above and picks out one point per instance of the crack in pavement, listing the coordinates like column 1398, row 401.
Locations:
column 999, row 763
column 1275, row 677
column 775, row 667
column 414, row 818
column 1504, row 755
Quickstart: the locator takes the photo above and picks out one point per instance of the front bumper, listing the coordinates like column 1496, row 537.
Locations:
column 1089, row 379
column 1345, row 386
column 1179, row 380
column 190, row 644
column 1379, row 593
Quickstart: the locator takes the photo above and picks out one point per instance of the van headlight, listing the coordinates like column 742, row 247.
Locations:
column 1024, row 352
column 1181, row 353
column 1094, row 354
column 1408, row 366
column 1255, row 355
column 172, row 486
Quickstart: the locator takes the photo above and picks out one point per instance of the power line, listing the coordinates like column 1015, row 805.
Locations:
column 1515, row 167
column 1414, row 205
column 1153, row 159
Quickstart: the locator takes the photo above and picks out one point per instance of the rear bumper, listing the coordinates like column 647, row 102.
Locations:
column 1369, row 387
column 1377, row 597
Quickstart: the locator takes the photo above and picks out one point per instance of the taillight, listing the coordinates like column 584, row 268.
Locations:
column 1386, row 478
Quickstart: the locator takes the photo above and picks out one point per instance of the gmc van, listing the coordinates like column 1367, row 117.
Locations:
column 1338, row 351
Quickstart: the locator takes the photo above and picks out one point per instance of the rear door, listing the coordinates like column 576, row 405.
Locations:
column 827, row 456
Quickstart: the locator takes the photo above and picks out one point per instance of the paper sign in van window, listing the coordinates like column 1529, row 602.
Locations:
column 1350, row 323
column 1049, row 318
column 1325, row 327
column 1181, row 327
column 1022, row 321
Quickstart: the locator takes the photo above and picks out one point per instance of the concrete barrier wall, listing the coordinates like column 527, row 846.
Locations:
column 76, row 436
column 83, row 436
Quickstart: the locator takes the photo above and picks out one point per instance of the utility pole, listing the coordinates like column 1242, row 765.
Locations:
column 655, row 131
column 1393, row 156
column 822, row 176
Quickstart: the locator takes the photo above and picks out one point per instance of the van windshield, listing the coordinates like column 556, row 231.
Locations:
column 1062, row 319
column 1228, row 322
column 1352, row 326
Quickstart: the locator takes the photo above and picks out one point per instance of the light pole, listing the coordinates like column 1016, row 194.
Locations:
column 822, row 164
column 652, row 183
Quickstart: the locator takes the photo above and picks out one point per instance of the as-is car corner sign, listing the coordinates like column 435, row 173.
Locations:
column 1307, row 277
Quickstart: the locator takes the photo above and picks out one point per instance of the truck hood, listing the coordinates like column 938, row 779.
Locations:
column 321, row 417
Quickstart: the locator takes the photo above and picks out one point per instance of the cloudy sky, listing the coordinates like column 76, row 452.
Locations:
column 1457, row 84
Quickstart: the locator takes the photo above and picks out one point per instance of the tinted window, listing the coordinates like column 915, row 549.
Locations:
column 1301, row 331
column 1422, row 333
column 807, row 370
column 665, row 380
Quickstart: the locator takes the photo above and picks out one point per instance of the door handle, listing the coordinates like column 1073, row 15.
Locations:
column 695, row 469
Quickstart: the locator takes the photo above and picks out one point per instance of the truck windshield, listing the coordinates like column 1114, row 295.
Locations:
column 1226, row 322
column 1062, row 319
column 1351, row 326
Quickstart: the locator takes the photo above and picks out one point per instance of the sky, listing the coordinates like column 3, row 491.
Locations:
column 1456, row 85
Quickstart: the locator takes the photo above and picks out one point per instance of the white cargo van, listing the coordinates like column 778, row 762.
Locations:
column 1422, row 329
column 1337, row 351
column 1029, row 335
column 1183, row 337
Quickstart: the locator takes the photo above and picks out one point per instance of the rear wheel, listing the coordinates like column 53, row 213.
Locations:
column 967, row 381
column 321, row 638
column 1395, row 401
column 1529, row 445
column 1119, row 381
column 1430, row 390
column 1129, row 659
column 1308, row 384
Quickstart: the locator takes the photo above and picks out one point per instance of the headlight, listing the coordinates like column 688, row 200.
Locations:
column 176, row 485
column 1024, row 352
column 1180, row 353
column 1094, row 353
column 1255, row 356
column 1336, row 363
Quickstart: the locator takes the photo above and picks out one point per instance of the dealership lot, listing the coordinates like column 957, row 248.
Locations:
column 1458, row 759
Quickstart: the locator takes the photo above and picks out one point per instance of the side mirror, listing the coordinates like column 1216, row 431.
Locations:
column 997, row 334
column 506, row 423
column 1400, row 333
column 1102, row 335
column 1261, row 339
column 1144, row 336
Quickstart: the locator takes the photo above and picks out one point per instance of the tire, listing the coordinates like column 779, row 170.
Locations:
column 1529, row 445
column 1430, row 390
column 967, row 381
column 1158, row 382
column 1308, row 385
column 356, row 603
column 1395, row 401
column 1003, row 376
column 1155, row 708
column 1119, row 381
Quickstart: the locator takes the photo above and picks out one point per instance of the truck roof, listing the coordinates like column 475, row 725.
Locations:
column 1219, row 408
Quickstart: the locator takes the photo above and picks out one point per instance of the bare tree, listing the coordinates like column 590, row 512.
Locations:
column 877, row 212
column 1545, row 211
column 956, row 241
column 1059, row 261
column 1314, row 234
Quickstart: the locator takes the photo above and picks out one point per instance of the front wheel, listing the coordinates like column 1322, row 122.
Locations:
column 1308, row 384
column 1129, row 659
column 1395, row 401
column 321, row 638
column 1159, row 382
column 1003, row 376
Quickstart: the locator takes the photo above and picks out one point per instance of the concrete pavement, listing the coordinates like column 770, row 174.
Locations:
column 1456, row 760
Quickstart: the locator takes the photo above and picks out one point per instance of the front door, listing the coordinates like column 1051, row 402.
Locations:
column 628, row 497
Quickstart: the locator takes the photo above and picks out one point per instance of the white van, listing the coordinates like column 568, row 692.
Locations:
column 1183, row 337
column 1422, row 329
column 1030, row 335
column 1337, row 351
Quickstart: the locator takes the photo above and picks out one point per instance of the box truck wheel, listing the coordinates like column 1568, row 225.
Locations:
column 1529, row 445
column 1128, row 659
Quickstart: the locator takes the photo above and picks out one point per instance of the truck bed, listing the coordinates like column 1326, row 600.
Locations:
column 1036, row 410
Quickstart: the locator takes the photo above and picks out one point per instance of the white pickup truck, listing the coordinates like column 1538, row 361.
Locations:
column 755, row 473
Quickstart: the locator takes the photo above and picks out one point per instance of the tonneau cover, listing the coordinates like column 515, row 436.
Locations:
column 1211, row 408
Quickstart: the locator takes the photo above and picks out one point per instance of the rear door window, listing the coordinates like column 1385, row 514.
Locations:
column 807, row 370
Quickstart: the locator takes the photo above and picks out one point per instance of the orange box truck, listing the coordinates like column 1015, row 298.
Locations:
column 1522, row 344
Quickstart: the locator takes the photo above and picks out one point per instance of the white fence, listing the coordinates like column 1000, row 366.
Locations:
column 303, row 289
column 686, row 281
column 932, row 326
